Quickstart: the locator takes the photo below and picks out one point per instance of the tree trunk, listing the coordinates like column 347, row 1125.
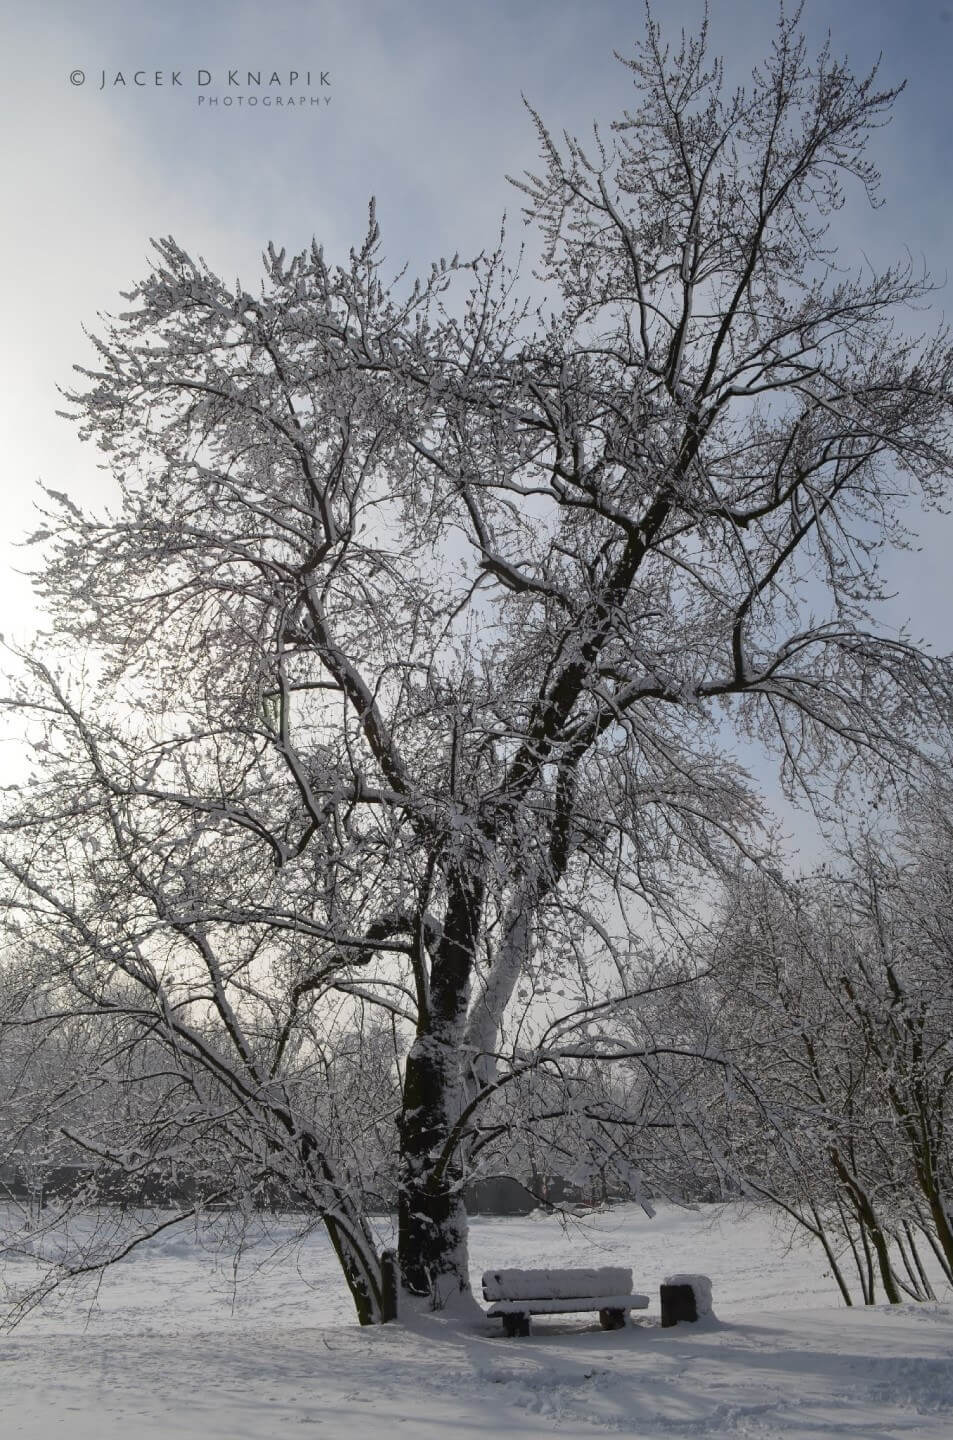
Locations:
column 925, row 1168
column 870, row 1225
column 432, row 1221
column 819, row 1230
column 361, row 1268
column 349, row 1233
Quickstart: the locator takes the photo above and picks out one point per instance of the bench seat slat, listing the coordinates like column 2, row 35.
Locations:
column 568, row 1305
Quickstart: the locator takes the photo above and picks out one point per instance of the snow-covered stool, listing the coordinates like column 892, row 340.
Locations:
column 518, row 1294
column 685, row 1297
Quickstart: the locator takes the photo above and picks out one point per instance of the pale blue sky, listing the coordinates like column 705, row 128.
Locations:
column 425, row 113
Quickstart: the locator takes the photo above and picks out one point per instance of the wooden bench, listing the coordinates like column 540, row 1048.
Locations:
column 518, row 1294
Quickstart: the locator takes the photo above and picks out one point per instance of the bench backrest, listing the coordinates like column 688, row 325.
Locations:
column 556, row 1284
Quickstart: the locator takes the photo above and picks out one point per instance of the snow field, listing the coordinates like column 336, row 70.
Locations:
column 179, row 1341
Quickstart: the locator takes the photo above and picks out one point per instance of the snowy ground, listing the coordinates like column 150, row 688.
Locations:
column 180, row 1342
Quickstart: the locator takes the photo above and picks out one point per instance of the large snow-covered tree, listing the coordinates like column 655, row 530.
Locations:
column 398, row 677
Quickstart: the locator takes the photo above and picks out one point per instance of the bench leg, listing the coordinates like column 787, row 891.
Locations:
column 515, row 1324
column 612, row 1319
